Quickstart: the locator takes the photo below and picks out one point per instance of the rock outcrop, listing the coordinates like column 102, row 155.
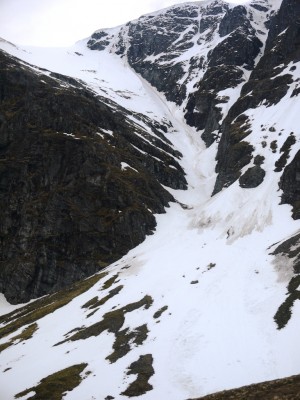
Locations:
column 267, row 85
column 69, row 206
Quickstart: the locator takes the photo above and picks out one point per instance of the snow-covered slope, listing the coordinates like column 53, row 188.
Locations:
column 190, row 311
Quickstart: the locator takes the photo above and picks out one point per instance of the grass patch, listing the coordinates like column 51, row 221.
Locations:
column 46, row 305
column 90, row 303
column 110, row 282
column 5, row 346
column 112, row 293
column 26, row 334
column 111, row 322
column 102, row 301
column 123, row 340
column 280, row 389
column 144, row 370
column 54, row 386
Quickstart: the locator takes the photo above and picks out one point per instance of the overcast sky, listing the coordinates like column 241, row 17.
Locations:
column 63, row 22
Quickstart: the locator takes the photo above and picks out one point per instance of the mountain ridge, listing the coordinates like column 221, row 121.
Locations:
column 208, row 301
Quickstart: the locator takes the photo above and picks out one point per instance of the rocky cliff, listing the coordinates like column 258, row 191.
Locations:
column 79, row 182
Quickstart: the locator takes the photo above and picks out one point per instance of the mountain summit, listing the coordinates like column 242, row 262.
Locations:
column 150, row 202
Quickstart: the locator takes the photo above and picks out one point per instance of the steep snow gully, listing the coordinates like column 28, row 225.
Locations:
column 190, row 311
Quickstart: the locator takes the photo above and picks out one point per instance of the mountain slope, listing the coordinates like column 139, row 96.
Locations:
column 80, row 178
column 209, row 301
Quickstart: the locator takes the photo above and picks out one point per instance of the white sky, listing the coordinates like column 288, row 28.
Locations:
column 63, row 22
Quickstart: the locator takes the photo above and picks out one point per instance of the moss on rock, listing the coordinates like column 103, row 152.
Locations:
column 144, row 370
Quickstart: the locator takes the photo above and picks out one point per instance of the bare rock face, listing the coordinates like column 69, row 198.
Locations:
column 68, row 208
column 224, row 70
column 234, row 19
column 203, row 108
column 252, row 178
column 181, row 46
column 266, row 85
column 288, row 254
column 290, row 185
column 151, row 43
column 157, row 45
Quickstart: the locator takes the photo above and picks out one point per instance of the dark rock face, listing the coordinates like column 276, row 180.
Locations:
column 234, row 152
column 233, row 19
column 151, row 37
column 98, row 41
column 154, row 43
column 224, row 71
column 67, row 207
column 285, row 150
column 225, row 52
column 202, row 109
column 286, row 24
column 156, row 47
column 252, row 178
column 265, row 85
column 290, row 185
column 288, row 252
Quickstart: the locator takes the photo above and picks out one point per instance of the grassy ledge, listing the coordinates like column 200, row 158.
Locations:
column 112, row 322
column 144, row 370
column 44, row 306
column 54, row 386
column 26, row 334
